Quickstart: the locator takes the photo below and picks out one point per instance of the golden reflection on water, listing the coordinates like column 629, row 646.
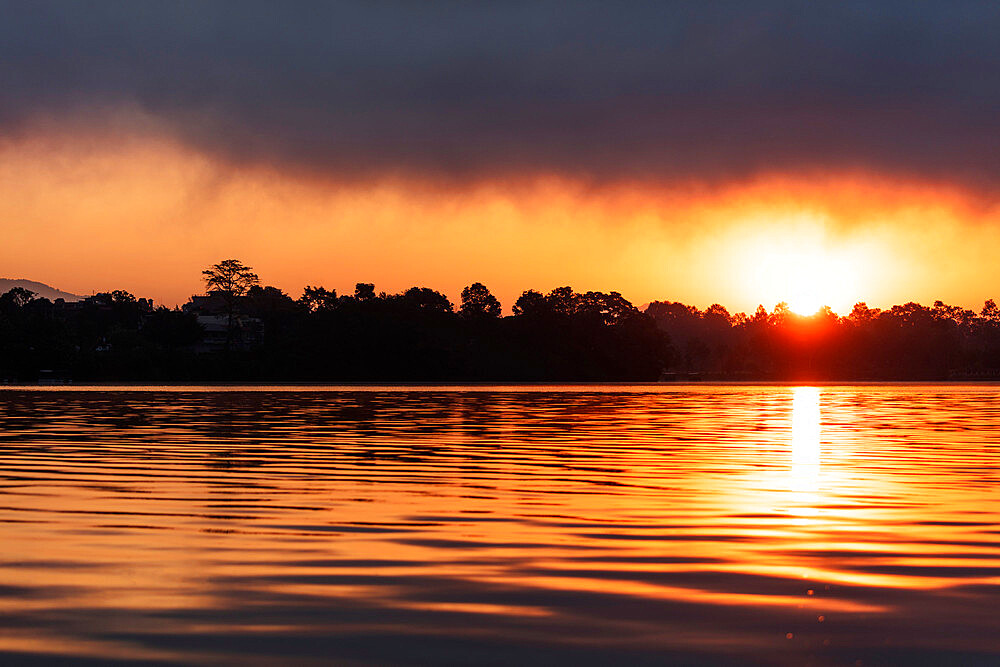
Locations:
column 806, row 450
column 594, row 525
column 806, row 429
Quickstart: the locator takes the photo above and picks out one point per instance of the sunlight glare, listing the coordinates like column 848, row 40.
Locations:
column 804, row 269
column 804, row 473
column 805, row 426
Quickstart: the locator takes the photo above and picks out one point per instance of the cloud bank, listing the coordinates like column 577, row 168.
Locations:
column 711, row 91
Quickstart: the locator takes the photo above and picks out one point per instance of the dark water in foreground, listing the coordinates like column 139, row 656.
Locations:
column 699, row 525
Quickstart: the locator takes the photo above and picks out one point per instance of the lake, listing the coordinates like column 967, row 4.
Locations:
column 582, row 524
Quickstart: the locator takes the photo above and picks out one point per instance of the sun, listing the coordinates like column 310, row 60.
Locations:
column 811, row 283
column 805, row 273
column 809, row 278
column 806, row 304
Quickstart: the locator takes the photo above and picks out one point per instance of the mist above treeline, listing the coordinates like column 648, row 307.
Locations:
column 243, row 331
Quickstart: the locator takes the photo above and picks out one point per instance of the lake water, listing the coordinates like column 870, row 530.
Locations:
column 607, row 524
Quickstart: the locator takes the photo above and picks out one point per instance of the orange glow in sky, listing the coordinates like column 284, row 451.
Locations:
column 147, row 214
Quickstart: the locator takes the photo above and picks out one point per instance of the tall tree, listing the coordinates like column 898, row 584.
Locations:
column 232, row 279
column 230, row 276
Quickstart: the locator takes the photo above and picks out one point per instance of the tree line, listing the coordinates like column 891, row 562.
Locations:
column 904, row 342
column 243, row 331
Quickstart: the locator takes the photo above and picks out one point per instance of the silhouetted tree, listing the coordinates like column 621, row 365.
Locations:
column 316, row 299
column 478, row 303
column 861, row 314
column 718, row 313
column 610, row 308
column 990, row 312
column 562, row 301
column 364, row 291
column 529, row 303
column 232, row 279
column 17, row 297
column 780, row 314
column 426, row 299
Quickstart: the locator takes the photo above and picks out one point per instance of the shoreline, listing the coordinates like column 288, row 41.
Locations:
column 604, row 387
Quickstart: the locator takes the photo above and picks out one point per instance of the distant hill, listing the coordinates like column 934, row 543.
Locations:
column 40, row 289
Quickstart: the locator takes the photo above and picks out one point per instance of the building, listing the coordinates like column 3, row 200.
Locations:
column 224, row 328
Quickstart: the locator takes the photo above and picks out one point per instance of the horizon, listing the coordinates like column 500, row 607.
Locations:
column 507, row 306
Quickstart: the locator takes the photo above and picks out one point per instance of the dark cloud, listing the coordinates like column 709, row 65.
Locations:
column 605, row 89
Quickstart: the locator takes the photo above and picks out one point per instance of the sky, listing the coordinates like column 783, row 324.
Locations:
column 729, row 152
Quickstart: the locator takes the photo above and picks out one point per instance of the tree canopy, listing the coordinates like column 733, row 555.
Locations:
column 231, row 277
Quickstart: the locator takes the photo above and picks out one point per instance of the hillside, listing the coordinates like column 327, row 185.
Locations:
column 40, row 289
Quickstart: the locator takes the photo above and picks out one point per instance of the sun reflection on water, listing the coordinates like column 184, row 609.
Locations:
column 805, row 426
column 805, row 469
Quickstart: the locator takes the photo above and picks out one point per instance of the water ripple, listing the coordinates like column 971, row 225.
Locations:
column 499, row 525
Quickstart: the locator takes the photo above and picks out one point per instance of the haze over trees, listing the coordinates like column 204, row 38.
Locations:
column 244, row 331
